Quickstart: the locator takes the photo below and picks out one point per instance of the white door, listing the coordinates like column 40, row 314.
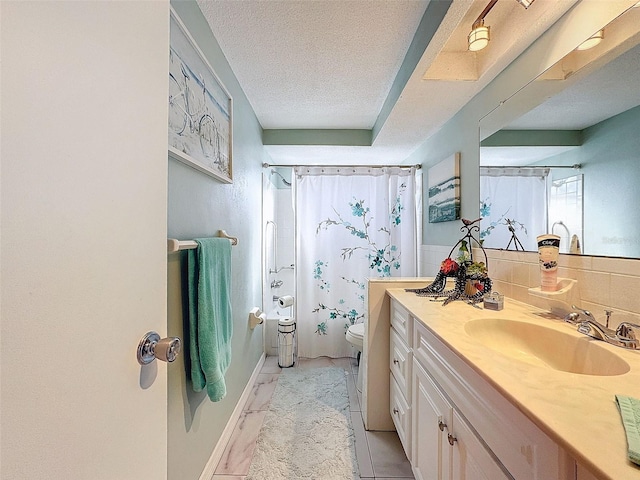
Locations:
column 83, row 250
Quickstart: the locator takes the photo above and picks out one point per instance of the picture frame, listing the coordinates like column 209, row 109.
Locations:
column 444, row 190
column 200, row 124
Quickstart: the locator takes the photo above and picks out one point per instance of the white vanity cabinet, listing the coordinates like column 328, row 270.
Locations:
column 459, row 426
column 504, row 438
column 400, row 357
column 443, row 445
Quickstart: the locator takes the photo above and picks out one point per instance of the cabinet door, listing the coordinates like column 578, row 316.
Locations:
column 430, row 417
column 471, row 459
column 584, row 474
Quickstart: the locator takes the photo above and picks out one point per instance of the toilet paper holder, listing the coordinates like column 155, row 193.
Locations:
column 256, row 317
column 286, row 301
column 152, row 346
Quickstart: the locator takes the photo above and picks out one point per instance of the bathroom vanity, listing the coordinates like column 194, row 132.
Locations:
column 477, row 393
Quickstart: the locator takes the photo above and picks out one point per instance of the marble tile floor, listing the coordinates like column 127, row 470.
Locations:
column 380, row 454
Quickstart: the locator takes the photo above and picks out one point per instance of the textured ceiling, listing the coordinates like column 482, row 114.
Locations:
column 315, row 64
column 331, row 64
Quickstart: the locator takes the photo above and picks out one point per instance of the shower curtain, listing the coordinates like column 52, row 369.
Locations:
column 351, row 224
column 513, row 201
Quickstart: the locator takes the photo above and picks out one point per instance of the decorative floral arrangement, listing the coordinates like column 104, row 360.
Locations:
column 449, row 266
column 477, row 268
column 472, row 279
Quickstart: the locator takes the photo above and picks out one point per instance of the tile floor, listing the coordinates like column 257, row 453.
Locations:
column 380, row 454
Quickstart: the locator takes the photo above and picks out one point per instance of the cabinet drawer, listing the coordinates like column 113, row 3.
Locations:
column 401, row 415
column 400, row 363
column 401, row 321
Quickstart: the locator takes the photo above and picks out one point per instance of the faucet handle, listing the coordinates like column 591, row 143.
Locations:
column 586, row 313
column 627, row 330
column 573, row 317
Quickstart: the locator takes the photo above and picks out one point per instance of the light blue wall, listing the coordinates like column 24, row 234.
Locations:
column 460, row 134
column 199, row 205
column 610, row 159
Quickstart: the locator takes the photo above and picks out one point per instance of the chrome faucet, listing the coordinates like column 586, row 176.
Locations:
column 624, row 336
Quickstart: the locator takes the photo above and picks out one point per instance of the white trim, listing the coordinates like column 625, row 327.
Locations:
column 216, row 455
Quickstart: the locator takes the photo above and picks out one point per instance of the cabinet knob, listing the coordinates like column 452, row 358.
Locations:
column 395, row 361
column 396, row 411
column 451, row 439
column 441, row 425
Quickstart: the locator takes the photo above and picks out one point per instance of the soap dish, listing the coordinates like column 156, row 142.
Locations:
column 559, row 301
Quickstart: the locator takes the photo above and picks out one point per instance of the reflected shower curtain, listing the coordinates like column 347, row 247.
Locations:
column 513, row 202
column 351, row 224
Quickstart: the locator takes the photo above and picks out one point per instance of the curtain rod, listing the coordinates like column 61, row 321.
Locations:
column 268, row 165
column 575, row 166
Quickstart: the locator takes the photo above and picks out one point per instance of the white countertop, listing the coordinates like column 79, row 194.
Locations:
column 577, row 411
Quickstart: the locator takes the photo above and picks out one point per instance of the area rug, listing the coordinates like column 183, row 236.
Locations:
column 307, row 431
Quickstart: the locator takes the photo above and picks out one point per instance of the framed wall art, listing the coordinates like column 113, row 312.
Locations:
column 444, row 190
column 200, row 108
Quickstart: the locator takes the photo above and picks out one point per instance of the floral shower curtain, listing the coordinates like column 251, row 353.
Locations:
column 351, row 224
column 513, row 202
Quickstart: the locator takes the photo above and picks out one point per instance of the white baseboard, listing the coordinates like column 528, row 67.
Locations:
column 216, row 455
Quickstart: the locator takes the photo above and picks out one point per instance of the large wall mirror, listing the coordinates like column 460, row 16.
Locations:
column 563, row 154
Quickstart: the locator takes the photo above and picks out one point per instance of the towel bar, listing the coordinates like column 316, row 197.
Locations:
column 174, row 245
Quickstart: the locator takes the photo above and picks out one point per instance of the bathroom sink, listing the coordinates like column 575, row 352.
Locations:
column 543, row 346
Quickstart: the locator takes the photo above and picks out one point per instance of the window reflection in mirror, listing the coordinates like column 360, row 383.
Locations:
column 570, row 165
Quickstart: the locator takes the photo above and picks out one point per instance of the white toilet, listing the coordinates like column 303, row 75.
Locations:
column 355, row 336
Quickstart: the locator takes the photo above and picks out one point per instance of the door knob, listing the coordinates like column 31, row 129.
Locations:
column 152, row 346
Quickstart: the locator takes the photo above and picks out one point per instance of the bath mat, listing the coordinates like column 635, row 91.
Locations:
column 307, row 431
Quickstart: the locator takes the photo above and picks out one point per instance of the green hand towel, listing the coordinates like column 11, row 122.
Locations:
column 629, row 409
column 210, row 321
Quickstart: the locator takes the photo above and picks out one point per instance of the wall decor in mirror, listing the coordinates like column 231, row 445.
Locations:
column 562, row 155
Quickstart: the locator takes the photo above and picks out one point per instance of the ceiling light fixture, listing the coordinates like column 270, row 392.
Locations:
column 480, row 33
column 592, row 41
column 478, row 37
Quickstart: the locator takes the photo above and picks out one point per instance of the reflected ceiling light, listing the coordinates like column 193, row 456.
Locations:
column 592, row 41
column 478, row 37
column 525, row 3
